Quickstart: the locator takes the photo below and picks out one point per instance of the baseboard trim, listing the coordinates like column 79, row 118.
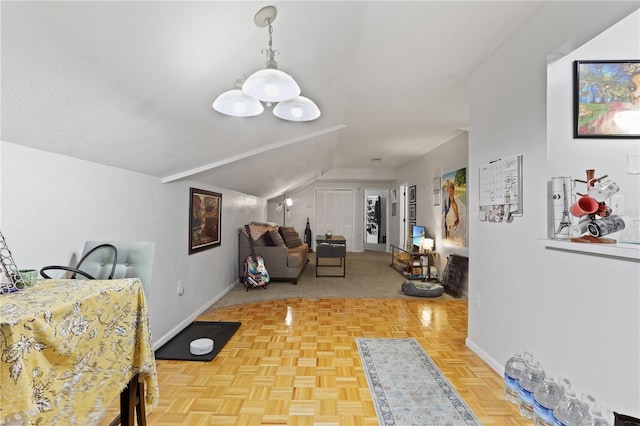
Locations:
column 175, row 330
column 485, row 357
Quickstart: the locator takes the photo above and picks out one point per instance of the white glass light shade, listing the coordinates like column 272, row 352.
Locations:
column 288, row 201
column 237, row 104
column 298, row 109
column 271, row 85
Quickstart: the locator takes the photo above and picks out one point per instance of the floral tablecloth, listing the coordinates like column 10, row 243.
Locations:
column 69, row 347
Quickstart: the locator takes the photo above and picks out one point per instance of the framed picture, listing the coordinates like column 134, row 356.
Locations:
column 412, row 194
column 394, row 195
column 606, row 99
column 436, row 184
column 436, row 198
column 393, row 209
column 412, row 212
column 205, row 219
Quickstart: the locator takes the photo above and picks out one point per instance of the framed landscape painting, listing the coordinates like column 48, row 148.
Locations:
column 205, row 220
column 606, row 99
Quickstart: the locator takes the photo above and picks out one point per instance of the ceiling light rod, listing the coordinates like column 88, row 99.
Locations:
column 263, row 18
column 268, row 85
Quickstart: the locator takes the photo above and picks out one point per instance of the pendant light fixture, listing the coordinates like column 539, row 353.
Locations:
column 269, row 85
column 236, row 103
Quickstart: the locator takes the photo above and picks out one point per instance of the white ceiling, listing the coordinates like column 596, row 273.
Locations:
column 130, row 84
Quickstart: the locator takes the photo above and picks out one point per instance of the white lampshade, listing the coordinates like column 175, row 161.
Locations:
column 271, row 85
column 427, row 244
column 298, row 109
column 237, row 104
column 288, row 201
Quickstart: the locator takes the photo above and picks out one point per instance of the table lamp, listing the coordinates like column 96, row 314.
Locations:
column 427, row 245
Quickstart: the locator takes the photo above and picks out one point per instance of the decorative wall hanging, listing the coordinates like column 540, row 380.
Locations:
column 205, row 220
column 436, row 191
column 412, row 194
column 606, row 99
column 454, row 207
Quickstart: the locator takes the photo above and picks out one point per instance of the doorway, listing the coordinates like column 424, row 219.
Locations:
column 375, row 219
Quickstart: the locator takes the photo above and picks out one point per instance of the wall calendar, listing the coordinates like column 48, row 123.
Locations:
column 501, row 190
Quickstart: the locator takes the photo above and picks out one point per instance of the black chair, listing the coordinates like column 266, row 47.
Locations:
column 99, row 257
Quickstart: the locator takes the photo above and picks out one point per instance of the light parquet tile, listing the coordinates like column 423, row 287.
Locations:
column 295, row 362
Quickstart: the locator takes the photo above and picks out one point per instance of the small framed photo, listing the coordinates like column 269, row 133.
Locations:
column 412, row 212
column 606, row 100
column 436, row 198
column 436, row 184
column 205, row 220
column 394, row 209
column 412, row 194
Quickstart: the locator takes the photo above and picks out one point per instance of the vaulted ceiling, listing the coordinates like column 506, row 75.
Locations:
column 130, row 84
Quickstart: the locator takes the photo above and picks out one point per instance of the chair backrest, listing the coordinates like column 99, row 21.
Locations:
column 135, row 260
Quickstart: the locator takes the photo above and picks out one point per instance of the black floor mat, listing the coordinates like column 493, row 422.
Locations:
column 178, row 347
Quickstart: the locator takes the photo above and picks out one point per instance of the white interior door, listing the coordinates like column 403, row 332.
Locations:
column 335, row 211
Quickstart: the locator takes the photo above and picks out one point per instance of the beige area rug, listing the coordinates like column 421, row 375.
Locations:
column 368, row 275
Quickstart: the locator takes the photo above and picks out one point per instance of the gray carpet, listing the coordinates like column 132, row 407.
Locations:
column 368, row 275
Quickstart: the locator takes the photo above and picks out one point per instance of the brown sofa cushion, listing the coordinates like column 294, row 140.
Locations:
column 276, row 239
column 290, row 236
column 297, row 256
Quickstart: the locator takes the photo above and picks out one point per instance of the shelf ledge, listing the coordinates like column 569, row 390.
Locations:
column 620, row 250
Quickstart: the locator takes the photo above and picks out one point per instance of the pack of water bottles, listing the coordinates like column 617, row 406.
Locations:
column 546, row 401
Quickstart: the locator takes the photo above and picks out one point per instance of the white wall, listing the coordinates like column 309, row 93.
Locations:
column 51, row 204
column 577, row 313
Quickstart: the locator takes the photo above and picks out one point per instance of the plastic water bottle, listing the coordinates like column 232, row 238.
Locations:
column 595, row 416
column 513, row 370
column 545, row 400
column 570, row 411
column 531, row 379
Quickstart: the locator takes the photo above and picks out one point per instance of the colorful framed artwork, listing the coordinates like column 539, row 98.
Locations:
column 412, row 194
column 205, row 220
column 606, row 99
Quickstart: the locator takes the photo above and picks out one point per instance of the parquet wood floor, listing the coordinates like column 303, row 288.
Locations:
column 295, row 362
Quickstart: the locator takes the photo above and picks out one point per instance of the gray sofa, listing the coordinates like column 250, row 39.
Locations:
column 284, row 254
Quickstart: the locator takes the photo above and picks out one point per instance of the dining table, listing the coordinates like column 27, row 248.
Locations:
column 70, row 348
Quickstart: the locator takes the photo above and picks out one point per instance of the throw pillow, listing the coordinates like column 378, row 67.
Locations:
column 290, row 236
column 276, row 239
